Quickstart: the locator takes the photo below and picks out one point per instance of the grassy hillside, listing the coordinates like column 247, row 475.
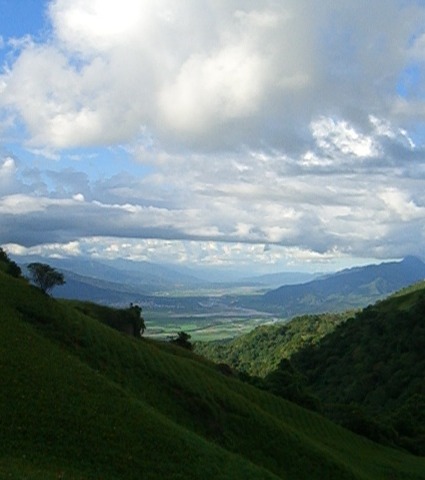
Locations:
column 80, row 400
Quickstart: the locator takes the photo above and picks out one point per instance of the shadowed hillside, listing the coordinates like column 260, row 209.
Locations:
column 375, row 362
column 365, row 372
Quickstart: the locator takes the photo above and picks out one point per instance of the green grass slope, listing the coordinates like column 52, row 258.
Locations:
column 80, row 400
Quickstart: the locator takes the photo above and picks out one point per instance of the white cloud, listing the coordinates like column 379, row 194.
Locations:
column 253, row 123
column 52, row 250
column 338, row 136
column 253, row 259
column 99, row 24
column 79, row 197
column 7, row 168
column 401, row 206
column 226, row 85
column 21, row 204
column 184, row 70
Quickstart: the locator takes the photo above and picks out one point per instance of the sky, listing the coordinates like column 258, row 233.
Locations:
column 260, row 135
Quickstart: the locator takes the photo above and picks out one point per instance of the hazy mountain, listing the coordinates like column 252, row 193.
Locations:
column 143, row 276
column 97, row 290
column 119, row 282
column 350, row 288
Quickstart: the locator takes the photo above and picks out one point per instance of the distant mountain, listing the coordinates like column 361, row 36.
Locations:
column 350, row 288
column 96, row 290
column 119, row 282
column 143, row 276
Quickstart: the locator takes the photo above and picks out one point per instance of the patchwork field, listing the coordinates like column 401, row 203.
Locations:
column 223, row 325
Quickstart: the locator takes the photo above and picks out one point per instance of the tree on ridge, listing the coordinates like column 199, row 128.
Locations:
column 45, row 276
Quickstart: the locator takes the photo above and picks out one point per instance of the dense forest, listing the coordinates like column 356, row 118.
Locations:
column 374, row 366
column 259, row 352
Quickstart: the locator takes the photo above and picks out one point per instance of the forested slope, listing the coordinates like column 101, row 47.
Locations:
column 260, row 351
column 376, row 363
column 366, row 372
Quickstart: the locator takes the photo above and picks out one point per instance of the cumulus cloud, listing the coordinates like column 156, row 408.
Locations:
column 205, row 73
column 343, row 138
column 256, row 123
column 7, row 168
column 8, row 171
column 249, row 198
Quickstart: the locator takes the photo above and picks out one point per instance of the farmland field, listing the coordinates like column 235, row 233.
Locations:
column 218, row 325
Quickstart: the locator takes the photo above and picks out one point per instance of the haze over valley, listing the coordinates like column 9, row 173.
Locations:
column 176, row 299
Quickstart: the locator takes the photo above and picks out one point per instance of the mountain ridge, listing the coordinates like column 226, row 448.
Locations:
column 350, row 288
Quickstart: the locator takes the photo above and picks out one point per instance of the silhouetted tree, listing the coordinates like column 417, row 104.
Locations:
column 182, row 340
column 11, row 268
column 138, row 321
column 45, row 276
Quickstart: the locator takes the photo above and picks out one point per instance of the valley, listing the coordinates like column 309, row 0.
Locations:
column 175, row 299
column 212, row 231
column 84, row 399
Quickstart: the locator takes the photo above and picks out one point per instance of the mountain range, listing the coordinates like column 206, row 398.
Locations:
column 119, row 283
column 116, row 282
column 349, row 288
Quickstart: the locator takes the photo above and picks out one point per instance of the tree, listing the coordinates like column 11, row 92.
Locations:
column 182, row 340
column 45, row 277
column 138, row 321
column 10, row 267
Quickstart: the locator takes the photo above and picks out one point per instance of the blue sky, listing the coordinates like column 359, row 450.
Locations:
column 259, row 136
column 22, row 17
